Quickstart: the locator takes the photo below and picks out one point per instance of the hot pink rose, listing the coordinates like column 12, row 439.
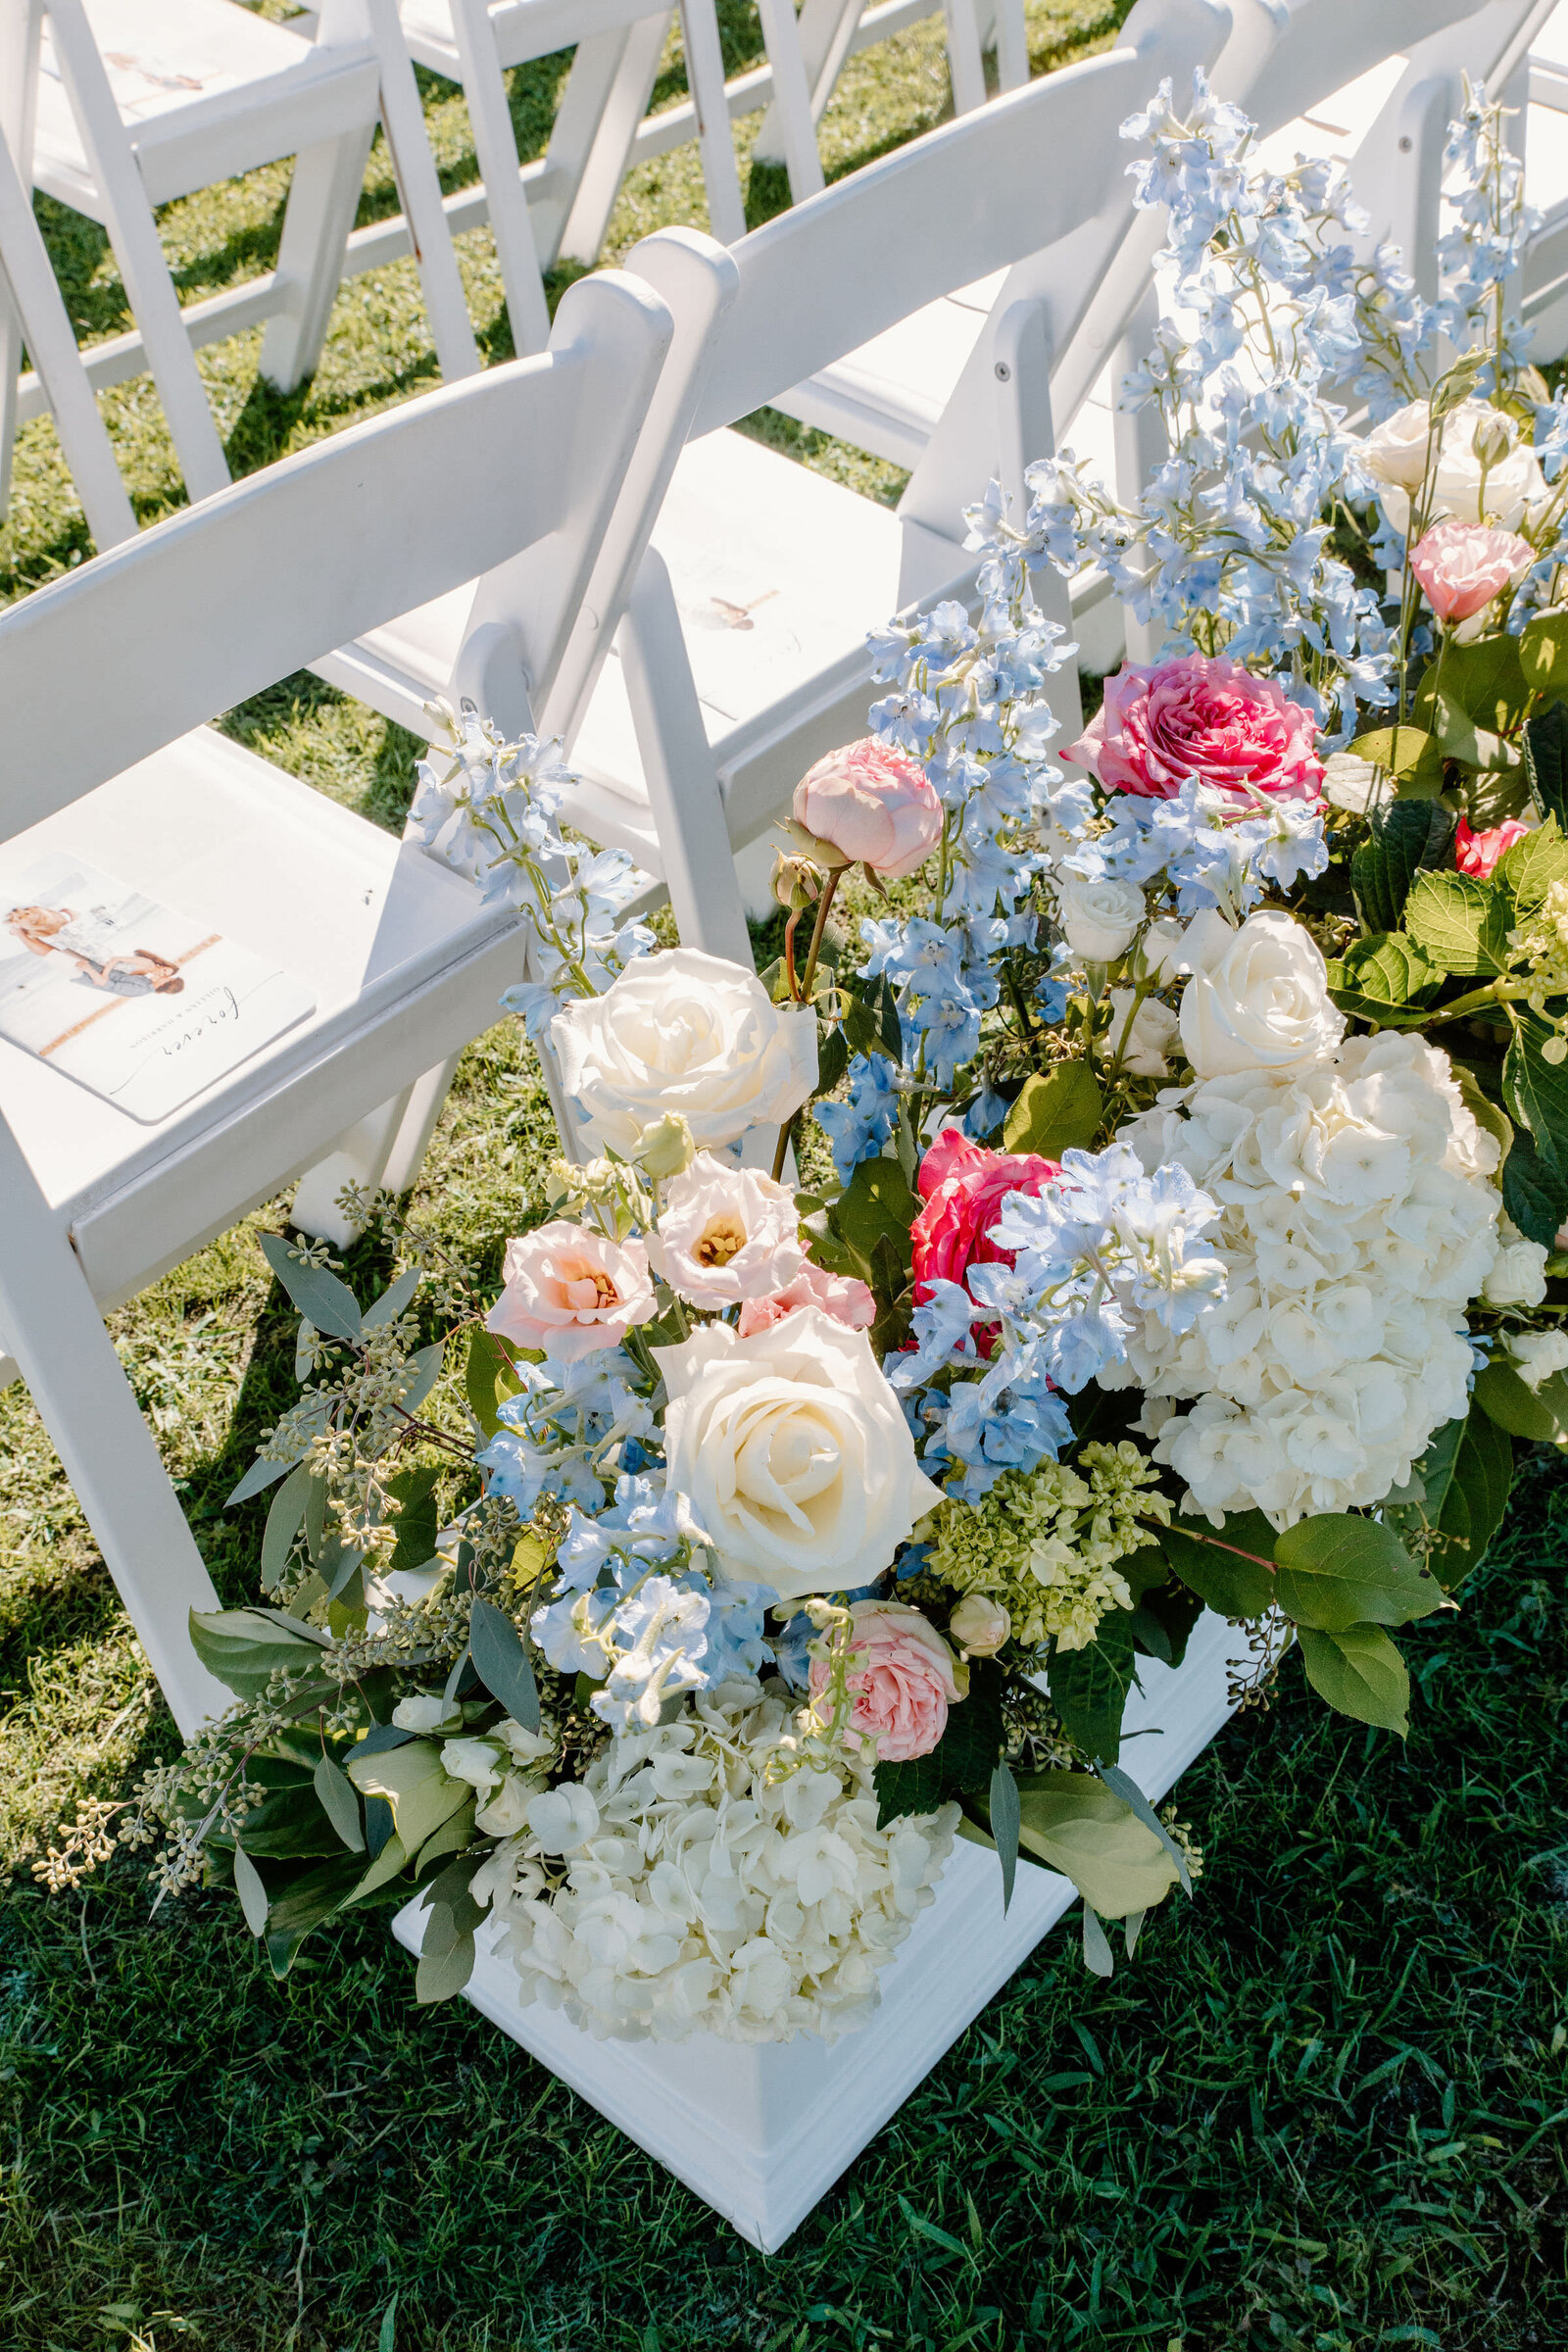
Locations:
column 1463, row 566
column 840, row 1295
column 964, row 1186
column 874, row 806
column 1478, row 853
column 1204, row 717
column 571, row 1291
column 904, row 1677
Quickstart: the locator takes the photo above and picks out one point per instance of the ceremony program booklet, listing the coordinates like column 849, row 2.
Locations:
column 145, row 1007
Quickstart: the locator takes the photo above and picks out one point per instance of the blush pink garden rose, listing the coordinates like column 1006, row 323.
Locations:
column 964, row 1186
column 874, row 806
column 1462, row 566
column 1478, row 853
column 903, row 1678
column 1205, row 718
column 840, row 1295
column 571, row 1291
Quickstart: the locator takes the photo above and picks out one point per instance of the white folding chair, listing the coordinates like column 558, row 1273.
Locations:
column 560, row 204
column 122, row 663
column 142, row 101
column 1541, row 90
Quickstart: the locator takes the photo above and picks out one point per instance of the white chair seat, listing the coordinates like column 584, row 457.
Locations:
column 356, row 915
column 179, row 70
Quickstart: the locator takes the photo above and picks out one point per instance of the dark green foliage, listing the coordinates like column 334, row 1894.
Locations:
column 1089, row 1687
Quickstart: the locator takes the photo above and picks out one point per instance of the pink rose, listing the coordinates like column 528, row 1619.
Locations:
column 874, row 806
column 1463, row 566
column 1202, row 717
column 1478, row 853
column 571, row 1291
column 964, row 1186
column 902, row 1676
column 840, row 1295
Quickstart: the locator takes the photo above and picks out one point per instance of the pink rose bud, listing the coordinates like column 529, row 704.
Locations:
column 1463, row 566
column 1478, row 853
column 902, row 1677
column 1201, row 716
column 874, row 806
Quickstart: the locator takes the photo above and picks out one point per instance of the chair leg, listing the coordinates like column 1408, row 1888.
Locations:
column 53, row 1329
column 425, row 1103
column 594, row 200
column 679, row 770
column 359, row 1156
column 966, row 62
column 21, row 27
column 705, row 76
column 419, row 195
column 792, row 97
column 824, row 29
column 322, row 198
column 1013, row 45
column 495, row 144
column 589, row 85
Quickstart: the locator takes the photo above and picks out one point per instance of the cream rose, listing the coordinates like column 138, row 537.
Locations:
column 1396, row 455
column 1144, row 1045
column 726, row 1234
column 684, row 1033
column 794, row 1452
column 1259, row 998
column 1099, row 918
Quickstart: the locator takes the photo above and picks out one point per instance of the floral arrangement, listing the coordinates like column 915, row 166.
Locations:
column 1196, row 1100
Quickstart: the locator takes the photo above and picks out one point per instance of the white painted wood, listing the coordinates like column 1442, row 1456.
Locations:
column 141, row 101
column 21, row 24
column 403, row 960
column 761, row 2134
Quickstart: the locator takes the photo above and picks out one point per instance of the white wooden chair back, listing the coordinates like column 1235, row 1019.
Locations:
column 184, row 621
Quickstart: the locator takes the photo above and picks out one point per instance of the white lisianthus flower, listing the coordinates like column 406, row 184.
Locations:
column 1537, row 1355
column 1259, row 998
column 726, row 1234
column 1519, row 1276
column 688, row 1034
column 1099, row 920
column 1144, row 1046
column 707, row 1896
column 794, row 1452
column 1395, row 456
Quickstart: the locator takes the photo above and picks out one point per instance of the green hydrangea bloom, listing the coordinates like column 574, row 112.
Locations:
column 1044, row 1543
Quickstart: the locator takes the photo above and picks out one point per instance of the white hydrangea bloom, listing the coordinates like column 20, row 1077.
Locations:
column 700, row 1900
column 1358, row 1221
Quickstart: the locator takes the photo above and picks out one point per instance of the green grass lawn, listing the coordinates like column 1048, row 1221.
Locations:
column 1323, row 2110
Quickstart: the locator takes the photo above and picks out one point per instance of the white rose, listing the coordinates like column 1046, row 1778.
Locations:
column 1518, row 1277
column 476, row 1761
column 1259, row 998
column 794, row 1452
column 684, row 1033
column 726, row 1234
column 1537, row 1355
column 1143, row 1047
column 421, row 1714
column 529, row 1748
column 979, row 1625
column 1162, row 952
column 1396, row 454
column 1099, row 918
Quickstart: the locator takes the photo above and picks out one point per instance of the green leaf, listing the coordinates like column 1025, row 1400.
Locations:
column 1164, row 1617
column 308, row 1899
column 419, row 1522
column 1122, row 1785
column 969, row 1747
column 393, row 1299
column 1408, row 754
column 1336, row 1570
column 1483, row 679
column 386, row 2341
column 410, row 1779
column 490, row 1379
column 832, row 1060
column 501, row 1662
column 1535, row 1193
column 1543, row 651
column 1358, row 1671
column 1003, row 1815
column 1407, row 837
column 288, row 1824
column 256, row 1477
column 1547, row 760
column 319, row 1296
column 1539, row 1415
column 252, row 1894
column 1475, row 746
column 283, row 1523
column 1489, row 1116
column 339, row 1803
column 1057, row 1111
column 1230, row 1567
column 1459, row 924
column 1536, row 1090
column 243, row 1646
column 876, row 1200
column 1464, row 1474
column 1383, row 976
column 1073, row 1823
column 1089, row 1687
column 915, row 1786
column 1534, row 864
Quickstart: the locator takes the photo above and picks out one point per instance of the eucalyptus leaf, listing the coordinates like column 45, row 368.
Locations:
column 258, row 1477
column 1005, row 1817
column 328, row 1303
column 393, row 1299
column 502, row 1664
column 252, row 1894
column 443, row 1978
column 1097, row 1955
column 1336, row 1570
column 1359, row 1671
column 1121, row 1784
column 1056, row 1111
column 283, row 1523
column 339, row 1803
column 427, row 1363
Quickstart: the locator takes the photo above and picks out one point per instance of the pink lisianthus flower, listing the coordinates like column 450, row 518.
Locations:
column 571, row 1291
column 1478, row 853
column 1204, row 717
column 840, row 1295
column 964, row 1186
column 874, row 806
column 726, row 1234
column 902, row 1676
column 1463, row 566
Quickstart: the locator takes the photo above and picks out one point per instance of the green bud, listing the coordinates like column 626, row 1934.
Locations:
column 665, row 1147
